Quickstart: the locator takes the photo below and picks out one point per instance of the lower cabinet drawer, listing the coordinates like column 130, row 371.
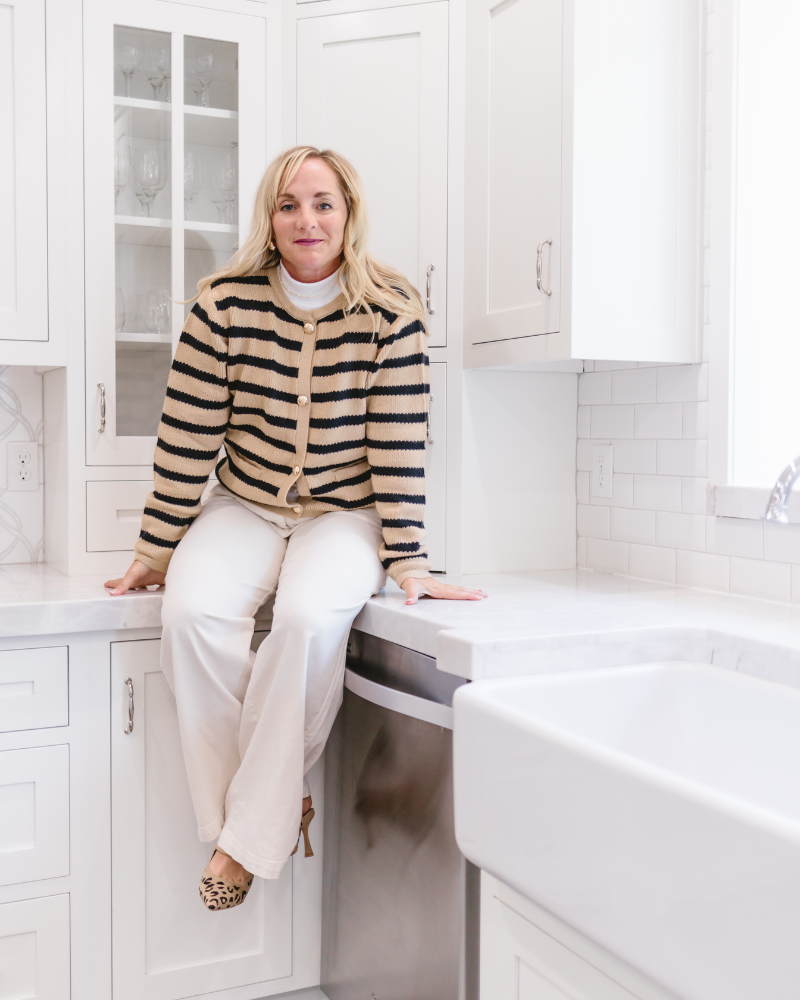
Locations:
column 34, row 949
column 34, row 814
column 114, row 514
column 34, row 689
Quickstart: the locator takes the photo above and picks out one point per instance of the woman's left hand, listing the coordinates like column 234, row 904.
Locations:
column 442, row 591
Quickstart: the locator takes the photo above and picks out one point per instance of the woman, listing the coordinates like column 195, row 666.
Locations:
column 307, row 361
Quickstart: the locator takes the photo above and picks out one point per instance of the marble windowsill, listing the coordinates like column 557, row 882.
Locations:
column 531, row 622
column 749, row 502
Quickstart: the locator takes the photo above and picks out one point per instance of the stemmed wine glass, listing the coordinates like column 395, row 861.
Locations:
column 122, row 170
column 193, row 175
column 159, row 68
column 119, row 310
column 129, row 55
column 158, row 314
column 226, row 182
column 150, row 174
column 203, row 65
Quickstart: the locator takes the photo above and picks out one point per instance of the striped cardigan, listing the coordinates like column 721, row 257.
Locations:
column 315, row 400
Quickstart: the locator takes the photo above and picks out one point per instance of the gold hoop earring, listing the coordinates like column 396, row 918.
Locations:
column 271, row 245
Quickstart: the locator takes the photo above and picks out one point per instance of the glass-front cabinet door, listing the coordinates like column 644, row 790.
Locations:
column 175, row 147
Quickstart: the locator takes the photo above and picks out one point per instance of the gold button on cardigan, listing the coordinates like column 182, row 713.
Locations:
column 244, row 374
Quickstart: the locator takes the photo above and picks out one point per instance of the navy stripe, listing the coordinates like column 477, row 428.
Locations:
column 398, row 445
column 201, row 376
column 388, row 470
column 267, row 363
column 256, row 432
column 397, row 418
column 386, row 563
column 402, row 547
column 331, row 343
column 268, row 336
column 202, row 315
column 257, row 460
column 179, row 477
column 404, row 362
column 332, row 397
column 256, row 305
column 399, row 498
column 193, row 453
column 349, row 504
column 154, row 540
column 399, row 390
column 325, row 423
column 202, row 348
column 175, row 501
column 324, row 371
column 416, row 326
column 253, row 389
column 162, row 515
column 248, row 279
column 327, row 449
column 190, row 428
column 337, row 484
column 268, row 418
column 400, row 522
column 201, row 404
column 258, row 484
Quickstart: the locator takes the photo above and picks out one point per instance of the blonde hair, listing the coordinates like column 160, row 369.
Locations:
column 363, row 279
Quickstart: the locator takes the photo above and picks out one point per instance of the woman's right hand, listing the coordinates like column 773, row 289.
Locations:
column 137, row 577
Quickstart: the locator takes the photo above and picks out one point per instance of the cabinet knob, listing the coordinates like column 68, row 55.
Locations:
column 544, row 291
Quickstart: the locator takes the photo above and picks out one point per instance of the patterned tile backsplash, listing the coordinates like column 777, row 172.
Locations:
column 21, row 514
column 656, row 526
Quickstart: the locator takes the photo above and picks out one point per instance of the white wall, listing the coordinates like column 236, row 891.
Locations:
column 518, row 474
column 21, row 514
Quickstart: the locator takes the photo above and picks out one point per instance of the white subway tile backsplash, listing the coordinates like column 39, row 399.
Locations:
column 704, row 570
column 622, row 490
column 635, row 385
column 582, row 485
column 649, row 562
column 594, row 388
column 657, row 492
column 681, row 531
column 782, row 542
column 695, row 420
column 759, row 578
column 735, row 536
column 694, row 495
column 612, row 421
column 583, row 455
column 659, row 420
column 633, row 525
column 606, row 556
column 584, row 421
column 682, row 383
column 634, row 456
column 682, row 458
column 593, row 522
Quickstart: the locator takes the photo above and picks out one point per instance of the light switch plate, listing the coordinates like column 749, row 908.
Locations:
column 22, row 465
column 602, row 470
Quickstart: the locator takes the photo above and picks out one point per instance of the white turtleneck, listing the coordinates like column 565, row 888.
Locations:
column 308, row 295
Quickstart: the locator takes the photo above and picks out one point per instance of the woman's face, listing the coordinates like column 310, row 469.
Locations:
column 309, row 222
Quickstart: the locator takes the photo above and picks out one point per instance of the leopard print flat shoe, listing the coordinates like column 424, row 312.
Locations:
column 216, row 893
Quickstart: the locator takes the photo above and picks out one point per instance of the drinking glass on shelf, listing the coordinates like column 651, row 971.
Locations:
column 122, row 170
column 226, row 183
column 193, row 176
column 150, row 175
column 158, row 68
column 158, row 312
column 119, row 310
column 203, row 65
column 128, row 57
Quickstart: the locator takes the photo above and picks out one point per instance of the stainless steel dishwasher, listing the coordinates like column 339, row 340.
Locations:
column 400, row 903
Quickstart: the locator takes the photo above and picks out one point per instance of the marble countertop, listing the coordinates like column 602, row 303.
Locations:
column 530, row 623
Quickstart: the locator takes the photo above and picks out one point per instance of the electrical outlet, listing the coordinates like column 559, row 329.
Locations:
column 22, row 463
column 602, row 470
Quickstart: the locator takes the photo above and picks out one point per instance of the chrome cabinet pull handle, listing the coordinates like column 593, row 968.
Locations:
column 545, row 291
column 429, row 423
column 129, row 728
column 102, row 388
column 428, row 274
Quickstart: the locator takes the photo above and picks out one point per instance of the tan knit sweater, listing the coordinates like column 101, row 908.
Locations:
column 312, row 399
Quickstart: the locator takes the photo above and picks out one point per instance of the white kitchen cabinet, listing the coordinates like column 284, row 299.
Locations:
column 174, row 150
column 582, row 181
column 373, row 85
column 527, row 954
column 34, row 949
column 166, row 945
column 23, row 173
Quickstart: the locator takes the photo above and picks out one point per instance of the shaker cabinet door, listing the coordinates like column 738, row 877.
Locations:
column 513, row 247
column 373, row 86
column 23, row 171
column 166, row 945
column 174, row 149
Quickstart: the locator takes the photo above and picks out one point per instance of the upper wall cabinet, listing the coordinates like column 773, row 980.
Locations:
column 583, row 172
column 373, row 86
column 23, row 173
column 175, row 148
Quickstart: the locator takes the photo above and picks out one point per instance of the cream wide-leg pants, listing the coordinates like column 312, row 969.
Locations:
column 252, row 727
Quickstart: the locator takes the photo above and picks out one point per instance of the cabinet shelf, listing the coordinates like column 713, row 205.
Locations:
column 210, row 236
column 193, row 109
column 143, row 338
column 137, row 102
